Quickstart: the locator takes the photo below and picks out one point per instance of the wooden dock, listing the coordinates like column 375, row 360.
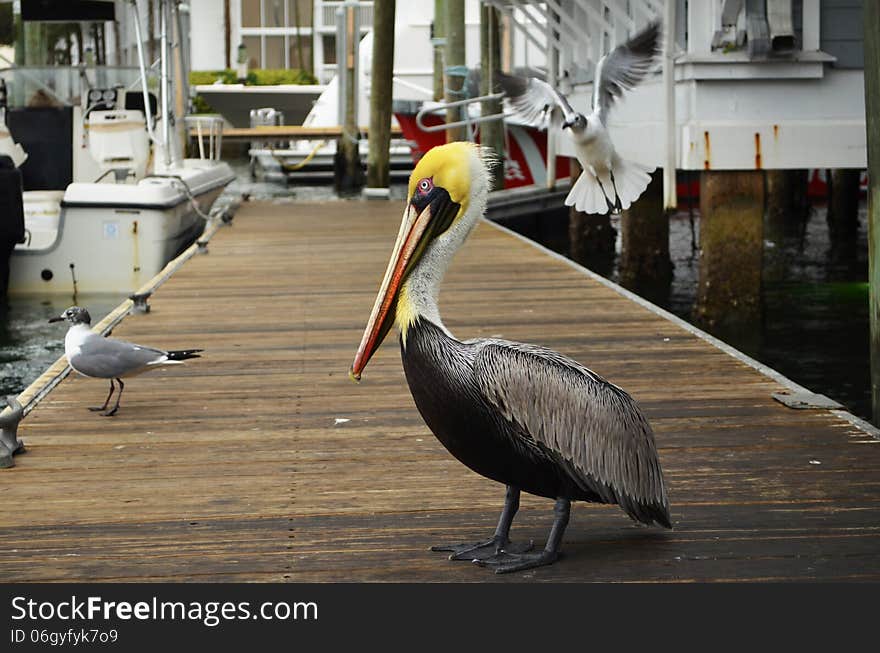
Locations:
column 262, row 461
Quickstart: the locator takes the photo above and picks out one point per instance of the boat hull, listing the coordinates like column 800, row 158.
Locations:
column 108, row 247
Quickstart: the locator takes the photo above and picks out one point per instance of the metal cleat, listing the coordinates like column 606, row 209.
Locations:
column 140, row 302
column 9, row 442
column 806, row 400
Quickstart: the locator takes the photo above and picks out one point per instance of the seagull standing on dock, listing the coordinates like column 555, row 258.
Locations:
column 93, row 355
column 518, row 414
column 605, row 174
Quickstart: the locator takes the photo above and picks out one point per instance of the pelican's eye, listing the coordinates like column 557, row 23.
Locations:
column 425, row 186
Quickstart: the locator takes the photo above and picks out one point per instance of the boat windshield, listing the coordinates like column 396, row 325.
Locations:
column 36, row 86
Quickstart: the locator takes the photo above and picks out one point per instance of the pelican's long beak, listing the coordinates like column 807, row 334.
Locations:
column 418, row 227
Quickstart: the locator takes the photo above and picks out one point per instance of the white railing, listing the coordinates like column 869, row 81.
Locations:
column 325, row 16
column 577, row 32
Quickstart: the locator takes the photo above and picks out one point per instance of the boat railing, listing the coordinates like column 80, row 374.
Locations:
column 467, row 122
column 208, row 132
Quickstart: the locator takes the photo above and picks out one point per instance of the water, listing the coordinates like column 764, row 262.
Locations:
column 29, row 344
column 813, row 328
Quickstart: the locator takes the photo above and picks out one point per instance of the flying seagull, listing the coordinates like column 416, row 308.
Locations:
column 608, row 182
column 519, row 414
column 93, row 355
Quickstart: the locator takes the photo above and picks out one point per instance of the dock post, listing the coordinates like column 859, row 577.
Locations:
column 455, row 67
column 843, row 212
column 378, row 159
column 439, row 43
column 347, row 164
column 491, row 133
column 645, row 265
column 591, row 237
column 731, row 248
column 10, row 444
column 787, row 203
column 788, row 210
column 871, row 17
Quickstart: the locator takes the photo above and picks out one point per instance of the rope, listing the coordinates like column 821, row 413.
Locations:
column 297, row 166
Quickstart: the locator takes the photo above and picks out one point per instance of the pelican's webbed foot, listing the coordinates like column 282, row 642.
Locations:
column 498, row 543
column 506, row 561
column 486, row 550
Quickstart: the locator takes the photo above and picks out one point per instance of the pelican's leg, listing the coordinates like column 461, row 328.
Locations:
column 602, row 188
column 506, row 561
column 112, row 412
column 618, row 207
column 497, row 543
column 106, row 401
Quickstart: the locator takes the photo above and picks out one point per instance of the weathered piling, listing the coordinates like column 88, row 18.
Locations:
column 645, row 265
column 731, row 248
column 843, row 202
column 591, row 237
column 455, row 67
column 786, row 197
column 492, row 132
column 871, row 17
column 788, row 210
column 380, row 95
column 439, row 35
column 349, row 176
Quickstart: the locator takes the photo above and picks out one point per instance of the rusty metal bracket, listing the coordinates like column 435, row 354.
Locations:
column 9, row 442
column 140, row 302
column 806, row 400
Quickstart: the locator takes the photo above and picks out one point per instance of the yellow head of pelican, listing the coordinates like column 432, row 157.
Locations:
column 447, row 194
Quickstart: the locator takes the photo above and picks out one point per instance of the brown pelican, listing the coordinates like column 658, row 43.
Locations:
column 518, row 414
column 91, row 354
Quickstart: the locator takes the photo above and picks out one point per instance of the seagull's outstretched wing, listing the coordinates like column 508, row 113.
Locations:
column 624, row 67
column 533, row 101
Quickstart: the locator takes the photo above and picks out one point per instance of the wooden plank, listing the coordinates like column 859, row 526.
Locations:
column 234, row 466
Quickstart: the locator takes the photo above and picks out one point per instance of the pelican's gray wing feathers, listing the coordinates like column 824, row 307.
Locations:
column 533, row 101
column 624, row 67
column 595, row 428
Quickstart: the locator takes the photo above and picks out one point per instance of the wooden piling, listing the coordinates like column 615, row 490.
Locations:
column 645, row 265
column 871, row 19
column 591, row 237
column 731, row 247
column 491, row 133
column 455, row 67
column 843, row 202
column 348, row 163
column 439, row 33
column 380, row 95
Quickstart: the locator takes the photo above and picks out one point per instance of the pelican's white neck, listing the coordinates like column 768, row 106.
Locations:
column 419, row 293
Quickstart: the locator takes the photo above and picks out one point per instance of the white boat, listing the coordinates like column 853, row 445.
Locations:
column 313, row 160
column 108, row 197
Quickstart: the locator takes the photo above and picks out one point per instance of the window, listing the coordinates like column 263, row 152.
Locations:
column 274, row 52
column 299, row 13
column 254, row 51
column 273, row 13
column 306, row 42
column 250, row 13
column 275, row 31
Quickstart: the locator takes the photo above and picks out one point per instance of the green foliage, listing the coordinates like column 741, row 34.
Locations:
column 257, row 77
column 269, row 77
